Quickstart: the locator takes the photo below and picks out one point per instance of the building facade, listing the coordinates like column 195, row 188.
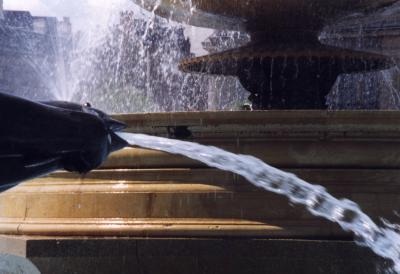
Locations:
column 34, row 53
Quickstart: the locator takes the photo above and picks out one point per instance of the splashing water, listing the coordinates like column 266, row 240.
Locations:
column 384, row 241
column 131, row 63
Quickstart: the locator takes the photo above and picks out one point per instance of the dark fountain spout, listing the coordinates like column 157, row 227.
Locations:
column 37, row 138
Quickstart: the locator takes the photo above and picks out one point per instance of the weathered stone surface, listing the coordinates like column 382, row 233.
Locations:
column 147, row 193
column 176, row 256
column 209, row 221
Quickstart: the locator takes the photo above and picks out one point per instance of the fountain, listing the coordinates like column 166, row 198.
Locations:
column 285, row 66
column 160, row 213
column 167, row 208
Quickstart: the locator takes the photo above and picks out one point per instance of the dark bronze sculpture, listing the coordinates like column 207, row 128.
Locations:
column 37, row 138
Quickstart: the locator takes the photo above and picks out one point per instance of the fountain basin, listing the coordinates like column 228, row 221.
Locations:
column 147, row 193
column 162, row 213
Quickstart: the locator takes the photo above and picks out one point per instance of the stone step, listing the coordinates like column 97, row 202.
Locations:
column 180, row 256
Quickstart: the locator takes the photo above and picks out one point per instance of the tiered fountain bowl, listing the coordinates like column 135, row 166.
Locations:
column 285, row 66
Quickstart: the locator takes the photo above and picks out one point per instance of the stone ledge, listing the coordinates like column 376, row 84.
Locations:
column 191, row 255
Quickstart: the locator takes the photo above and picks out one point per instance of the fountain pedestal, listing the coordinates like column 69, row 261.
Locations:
column 140, row 195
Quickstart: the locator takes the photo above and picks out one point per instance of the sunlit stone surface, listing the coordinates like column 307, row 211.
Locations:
column 143, row 192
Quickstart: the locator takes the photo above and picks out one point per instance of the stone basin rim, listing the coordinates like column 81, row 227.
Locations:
column 263, row 117
column 111, row 202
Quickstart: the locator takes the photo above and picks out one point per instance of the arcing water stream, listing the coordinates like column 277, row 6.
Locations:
column 384, row 241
